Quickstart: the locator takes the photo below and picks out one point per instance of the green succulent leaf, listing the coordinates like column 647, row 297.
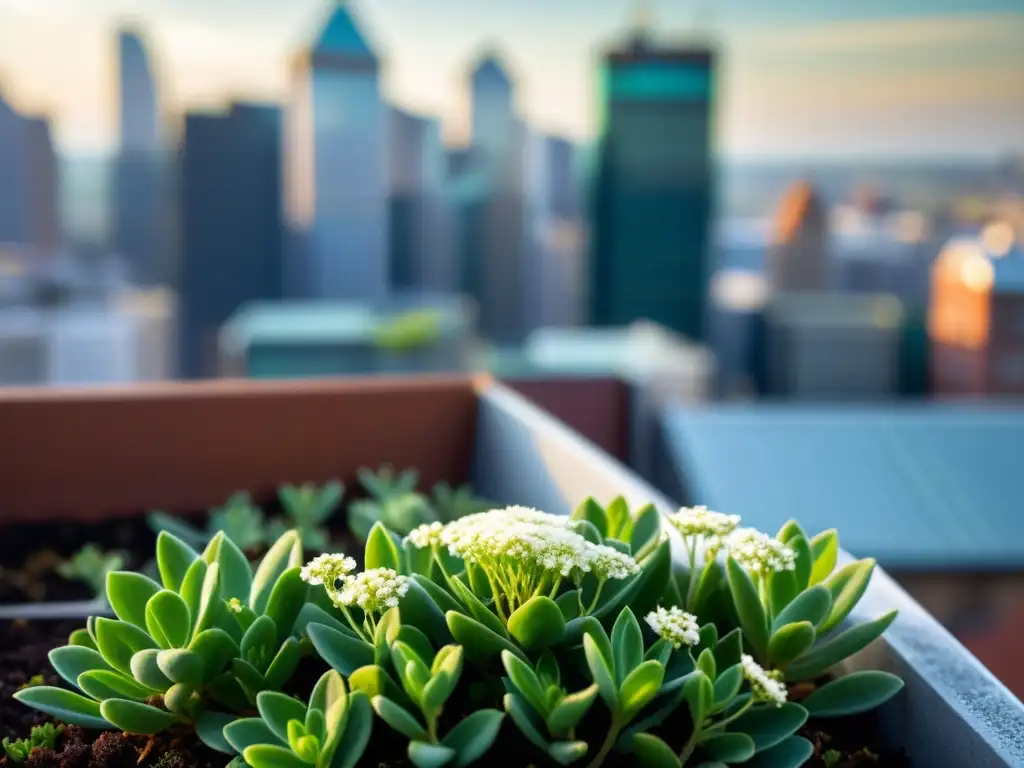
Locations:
column 209, row 601
column 825, row 552
column 425, row 606
column 853, row 693
column 216, row 648
column 789, row 642
column 272, row 756
column 820, row 659
column 70, row 661
column 277, row 710
column 652, row 752
column 182, row 666
column 349, row 750
column 285, row 553
column 782, row 590
column 82, row 638
column 567, row 752
column 706, row 663
column 167, row 619
column 478, row 610
column 375, row 681
column 727, row 686
column 526, row 682
column 748, row 607
column 570, row 710
column 526, row 720
column 729, row 649
column 791, row 753
column 210, row 730
column 790, row 530
column 103, row 684
column 588, row 531
column 245, row 732
column 847, row 586
column 398, row 718
column 593, row 513
column 481, row 644
column 146, row 671
column 804, row 562
column 769, row 725
column 173, row 558
column 699, row 692
column 118, row 641
column 601, row 671
column 235, row 571
column 381, row 551
column 135, row 717
column 342, row 652
column 640, row 687
column 285, row 601
column 66, row 706
column 472, row 737
column 646, row 527
column 812, row 605
column 729, row 747
column 537, row 623
column 128, row 593
column 627, row 644
column 424, row 754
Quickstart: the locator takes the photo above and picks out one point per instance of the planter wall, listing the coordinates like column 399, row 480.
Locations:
column 187, row 446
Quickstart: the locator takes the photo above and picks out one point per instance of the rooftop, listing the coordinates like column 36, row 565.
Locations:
column 342, row 36
column 918, row 487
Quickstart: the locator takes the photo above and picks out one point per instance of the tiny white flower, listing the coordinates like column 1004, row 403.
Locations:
column 700, row 521
column 766, row 686
column 326, row 569
column 760, row 553
column 425, row 535
column 675, row 625
column 374, row 591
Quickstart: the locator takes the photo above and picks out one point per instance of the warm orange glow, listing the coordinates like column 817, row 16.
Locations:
column 977, row 273
column 998, row 238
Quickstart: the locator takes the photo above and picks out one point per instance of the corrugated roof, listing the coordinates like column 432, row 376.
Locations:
column 932, row 486
column 341, row 35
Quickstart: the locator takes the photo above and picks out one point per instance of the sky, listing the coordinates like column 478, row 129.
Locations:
column 803, row 78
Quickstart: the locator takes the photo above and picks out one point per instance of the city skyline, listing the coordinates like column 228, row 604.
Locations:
column 852, row 79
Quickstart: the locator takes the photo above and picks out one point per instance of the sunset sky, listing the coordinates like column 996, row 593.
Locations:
column 799, row 77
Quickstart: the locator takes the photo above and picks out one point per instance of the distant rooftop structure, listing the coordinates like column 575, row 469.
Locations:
column 341, row 35
column 491, row 66
column 917, row 487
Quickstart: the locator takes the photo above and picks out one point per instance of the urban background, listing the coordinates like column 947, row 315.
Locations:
column 815, row 207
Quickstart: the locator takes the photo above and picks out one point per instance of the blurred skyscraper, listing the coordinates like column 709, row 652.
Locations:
column 421, row 237
column 652, row 206
column 28, row 181
column 337, row 166
column 139, row 211
column 489, row 190
column 232, row 234
column 797, row 260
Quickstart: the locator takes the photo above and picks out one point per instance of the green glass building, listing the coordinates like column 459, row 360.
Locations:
column 652, row 195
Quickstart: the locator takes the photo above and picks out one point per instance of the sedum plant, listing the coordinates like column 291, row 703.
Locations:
column 453, row 503
column 90, row 565
column 42, row 736
column 393, row 501
column 190, row 650
column 238, row 519
column 306, row 508
column 331, row 731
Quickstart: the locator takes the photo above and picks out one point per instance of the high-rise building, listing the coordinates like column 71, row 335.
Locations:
column 652, row 198
column 492, row 245
column 976, row 316
column 797, row 260
column 28, row 182
column 139, row 211
column 337, row 173
column 421, row 246
column 232, row 234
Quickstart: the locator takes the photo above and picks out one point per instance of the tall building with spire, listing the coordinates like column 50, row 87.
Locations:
column 337, row 177
column 139, row 224
column 652, row 201
column 797, row 259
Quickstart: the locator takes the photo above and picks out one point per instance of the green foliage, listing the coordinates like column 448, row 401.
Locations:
column 238, row 519
column 212, row 633
column 409, row 331
column 331, row 731
column 306, row 509
column 41, row 737
column 591, row 620
column 91, row 565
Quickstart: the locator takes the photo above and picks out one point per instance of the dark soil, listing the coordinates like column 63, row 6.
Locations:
column 850, row 743
column 32, row 552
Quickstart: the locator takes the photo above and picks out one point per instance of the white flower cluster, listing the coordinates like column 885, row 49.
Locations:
column 327, row 569
column 675, row 625
column 700, row 521
column 760, row 553
column 529, row 537
column 767, row 686
column 426, row 535
column 375, row 590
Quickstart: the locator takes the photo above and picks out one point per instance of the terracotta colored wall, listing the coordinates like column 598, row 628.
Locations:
column 596, row 408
